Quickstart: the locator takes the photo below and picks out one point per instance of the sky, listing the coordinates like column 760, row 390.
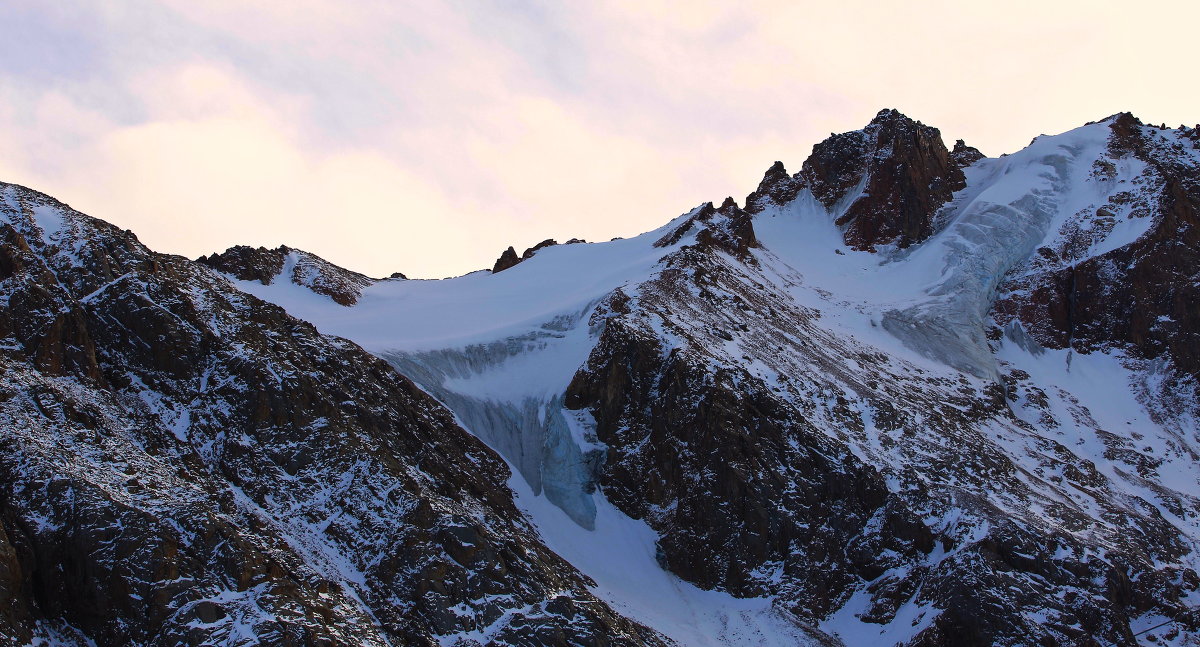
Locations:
column 425, row 137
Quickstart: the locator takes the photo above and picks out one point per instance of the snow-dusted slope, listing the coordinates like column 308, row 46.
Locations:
column 845, row 433
column 182, row 463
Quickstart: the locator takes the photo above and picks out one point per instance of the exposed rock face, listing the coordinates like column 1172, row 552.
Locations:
column 777, row 187
column 303, row 268
column 248, row 263
column 509, row 258
column 905, row 173
column 184, row 464
column 963, row 155
column 884, row 182
column 1144, row 295
column 728, row 228
column 528, row 254
column 752, row 487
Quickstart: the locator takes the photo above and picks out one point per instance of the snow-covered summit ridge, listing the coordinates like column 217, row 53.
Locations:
column 479, row 306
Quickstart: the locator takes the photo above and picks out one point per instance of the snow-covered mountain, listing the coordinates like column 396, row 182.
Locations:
column 907, row 395
column 185, row 464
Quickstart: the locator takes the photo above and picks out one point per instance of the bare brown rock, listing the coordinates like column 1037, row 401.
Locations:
column 885, row 182
column 776, row 187
column 905, row 174
column 963, row 155
column 508, row 259
column 528, row 253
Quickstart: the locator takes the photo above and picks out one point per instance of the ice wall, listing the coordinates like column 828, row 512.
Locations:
column 997, row 223
column 509, row 393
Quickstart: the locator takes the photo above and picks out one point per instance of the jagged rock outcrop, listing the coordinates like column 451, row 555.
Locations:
column 777, row 187
column 249, row 263
column 896, row 171
column 509, row 258
column 182, row 463
column 528, row 254
column 963, row 155
column 885, row 182
column 302, row 268
column 729, row 228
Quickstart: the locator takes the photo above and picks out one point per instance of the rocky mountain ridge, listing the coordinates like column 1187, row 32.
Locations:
column 302, row 268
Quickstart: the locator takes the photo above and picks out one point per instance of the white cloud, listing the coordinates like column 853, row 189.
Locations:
column 426, row 137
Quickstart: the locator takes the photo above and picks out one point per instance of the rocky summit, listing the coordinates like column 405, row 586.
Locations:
column 908, row 395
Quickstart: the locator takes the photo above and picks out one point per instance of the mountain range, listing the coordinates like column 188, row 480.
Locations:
column 907, row 395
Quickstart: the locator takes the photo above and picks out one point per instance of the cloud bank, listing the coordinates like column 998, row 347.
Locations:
column 425, row 137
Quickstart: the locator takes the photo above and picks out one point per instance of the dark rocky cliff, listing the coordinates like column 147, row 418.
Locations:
column 887, row 180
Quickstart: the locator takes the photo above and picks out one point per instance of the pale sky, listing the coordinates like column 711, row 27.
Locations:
column 426, row 137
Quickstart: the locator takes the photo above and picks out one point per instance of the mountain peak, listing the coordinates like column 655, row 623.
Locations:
column 899, row 167
column 890, row 115
column 777, row 187
column 507, row 259
column 1124, row 117
column 903, row 174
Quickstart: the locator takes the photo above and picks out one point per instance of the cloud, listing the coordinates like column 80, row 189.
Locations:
column 426, row 137
column 220, row 166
